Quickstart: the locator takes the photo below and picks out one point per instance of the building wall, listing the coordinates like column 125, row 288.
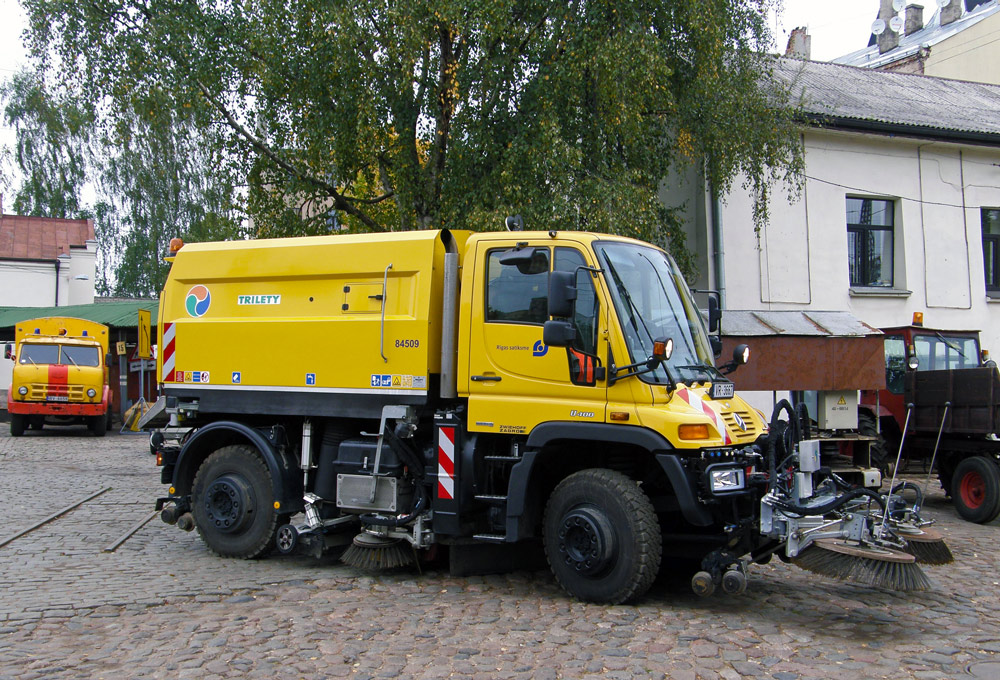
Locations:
column 973, row 54
column 801, row 260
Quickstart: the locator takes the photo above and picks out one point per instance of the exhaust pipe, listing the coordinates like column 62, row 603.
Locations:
column 185, row 522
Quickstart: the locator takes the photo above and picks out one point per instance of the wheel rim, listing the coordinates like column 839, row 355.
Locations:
column 973, row 490
column 287, row 538
column 229, row 503
column 587, row 541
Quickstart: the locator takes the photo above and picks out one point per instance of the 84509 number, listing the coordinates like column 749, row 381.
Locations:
column 407, row 343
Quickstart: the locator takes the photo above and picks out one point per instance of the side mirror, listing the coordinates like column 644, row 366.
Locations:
column 714, row 315
column 741, row 355
column 8, row 351
column 716, row 343
column 107, row 359
column 558, row 333
column 911, row 358
column 562, row 294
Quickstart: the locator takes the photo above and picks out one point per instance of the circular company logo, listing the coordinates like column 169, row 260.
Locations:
column 198, row 301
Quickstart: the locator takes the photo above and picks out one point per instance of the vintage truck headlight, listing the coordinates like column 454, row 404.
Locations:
column 91, row 393
column 22, row 390
column 725, row 480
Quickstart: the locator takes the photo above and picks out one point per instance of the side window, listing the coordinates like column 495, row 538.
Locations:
column 585, row 317
column 518, row 294
column 870, row 241
column 895, row 363
column 991, row 249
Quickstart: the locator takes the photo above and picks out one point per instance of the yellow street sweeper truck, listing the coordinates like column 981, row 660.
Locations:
column 404, row 393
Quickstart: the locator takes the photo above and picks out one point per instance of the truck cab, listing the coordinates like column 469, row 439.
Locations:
column 60, row 375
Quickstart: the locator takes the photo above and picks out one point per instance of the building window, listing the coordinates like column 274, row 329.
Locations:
column 869, row 241
column 991, row 249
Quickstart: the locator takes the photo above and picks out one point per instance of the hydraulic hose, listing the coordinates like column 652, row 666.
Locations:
column 832, row 505
column 413, row 462
column 776, row 432
column 918, row 492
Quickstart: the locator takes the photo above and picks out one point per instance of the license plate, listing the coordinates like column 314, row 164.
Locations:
column 722, row 390
column 57, row 399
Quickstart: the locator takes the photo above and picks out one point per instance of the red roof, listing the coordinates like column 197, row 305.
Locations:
column 41, row 238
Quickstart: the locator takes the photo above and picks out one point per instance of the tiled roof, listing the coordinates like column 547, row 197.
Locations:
column 897, row 102
column 41, row 238
column 931, row 34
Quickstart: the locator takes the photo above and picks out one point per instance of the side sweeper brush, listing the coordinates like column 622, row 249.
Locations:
column 373, row 553
column 926, row 545
column 873, row 566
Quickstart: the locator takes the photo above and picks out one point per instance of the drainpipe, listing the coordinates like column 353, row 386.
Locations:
column 57, row 282
column 719, row 256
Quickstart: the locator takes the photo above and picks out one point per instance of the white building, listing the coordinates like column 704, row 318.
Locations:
column 899, row 213
column 46, row 262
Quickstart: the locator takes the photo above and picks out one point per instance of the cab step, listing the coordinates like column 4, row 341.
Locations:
column 490, row 538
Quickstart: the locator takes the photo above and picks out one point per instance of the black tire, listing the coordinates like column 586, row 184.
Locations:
column 232, row 500
column 18, row 421
column 602, row 538
column 975, row 489
column 98, row 425
column 881, row 458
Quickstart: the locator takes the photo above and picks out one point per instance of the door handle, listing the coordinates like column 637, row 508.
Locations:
column 486, row 378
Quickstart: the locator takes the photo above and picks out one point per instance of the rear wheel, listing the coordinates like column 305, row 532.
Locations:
column 881, row 458
column 975, row 489
column 232, row 502
column 602, row 538
column 17, row 424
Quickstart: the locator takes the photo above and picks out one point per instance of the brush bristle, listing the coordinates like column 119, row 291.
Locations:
column 930, row 552
column 890, row 575
column 376, row 557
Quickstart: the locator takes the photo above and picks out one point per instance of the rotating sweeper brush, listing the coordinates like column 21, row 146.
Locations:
column 833, row 529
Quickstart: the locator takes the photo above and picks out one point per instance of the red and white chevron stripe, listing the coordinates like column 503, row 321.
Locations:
column 698, row 403
column 446, row 463
column 168, row 352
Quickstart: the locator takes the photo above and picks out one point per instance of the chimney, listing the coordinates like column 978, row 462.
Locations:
column 799, row 44
column 951, row 12
column 889, row 39
column 914, row 19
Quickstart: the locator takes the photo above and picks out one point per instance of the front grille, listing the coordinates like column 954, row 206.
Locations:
column 734, row 428
column 62, row 393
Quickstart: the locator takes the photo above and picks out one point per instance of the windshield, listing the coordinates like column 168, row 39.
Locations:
column 73, row 355
column 652, row 302
column 938, row 352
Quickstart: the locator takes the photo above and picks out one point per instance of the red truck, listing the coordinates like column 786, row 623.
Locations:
column 943, row 382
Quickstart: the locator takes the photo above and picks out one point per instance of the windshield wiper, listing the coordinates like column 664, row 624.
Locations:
column 710, row 371
column 73, row 360
column 951, row 346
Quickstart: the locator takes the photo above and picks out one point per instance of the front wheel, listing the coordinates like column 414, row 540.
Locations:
column 975, row 489
column 602, row 538
column 232, row 501
column 98, row 425
column 18, row 421
column 880, row 455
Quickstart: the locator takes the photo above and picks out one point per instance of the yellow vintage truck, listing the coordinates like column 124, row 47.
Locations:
column 60, row 374
column 410, row 392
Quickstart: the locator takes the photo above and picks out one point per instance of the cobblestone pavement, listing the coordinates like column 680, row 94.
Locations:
column 161, row 606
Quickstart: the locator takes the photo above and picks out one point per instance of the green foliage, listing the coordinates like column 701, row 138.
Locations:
column 379, row 115
column 52, row 132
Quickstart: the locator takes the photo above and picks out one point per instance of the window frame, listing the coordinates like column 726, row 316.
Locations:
column 860, row 230
column 992, row 287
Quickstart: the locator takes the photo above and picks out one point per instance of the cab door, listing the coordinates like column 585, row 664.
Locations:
column 516, row 381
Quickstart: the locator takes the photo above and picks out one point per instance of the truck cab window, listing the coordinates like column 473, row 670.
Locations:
column 39, row 354
column 518, row 294
column 586, row 309
column 940, row 353
column 895, row 363
column 81, row 356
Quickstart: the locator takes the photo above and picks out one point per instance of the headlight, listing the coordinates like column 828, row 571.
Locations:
column 727, row 479
column 22, row 390
column 91, row 393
